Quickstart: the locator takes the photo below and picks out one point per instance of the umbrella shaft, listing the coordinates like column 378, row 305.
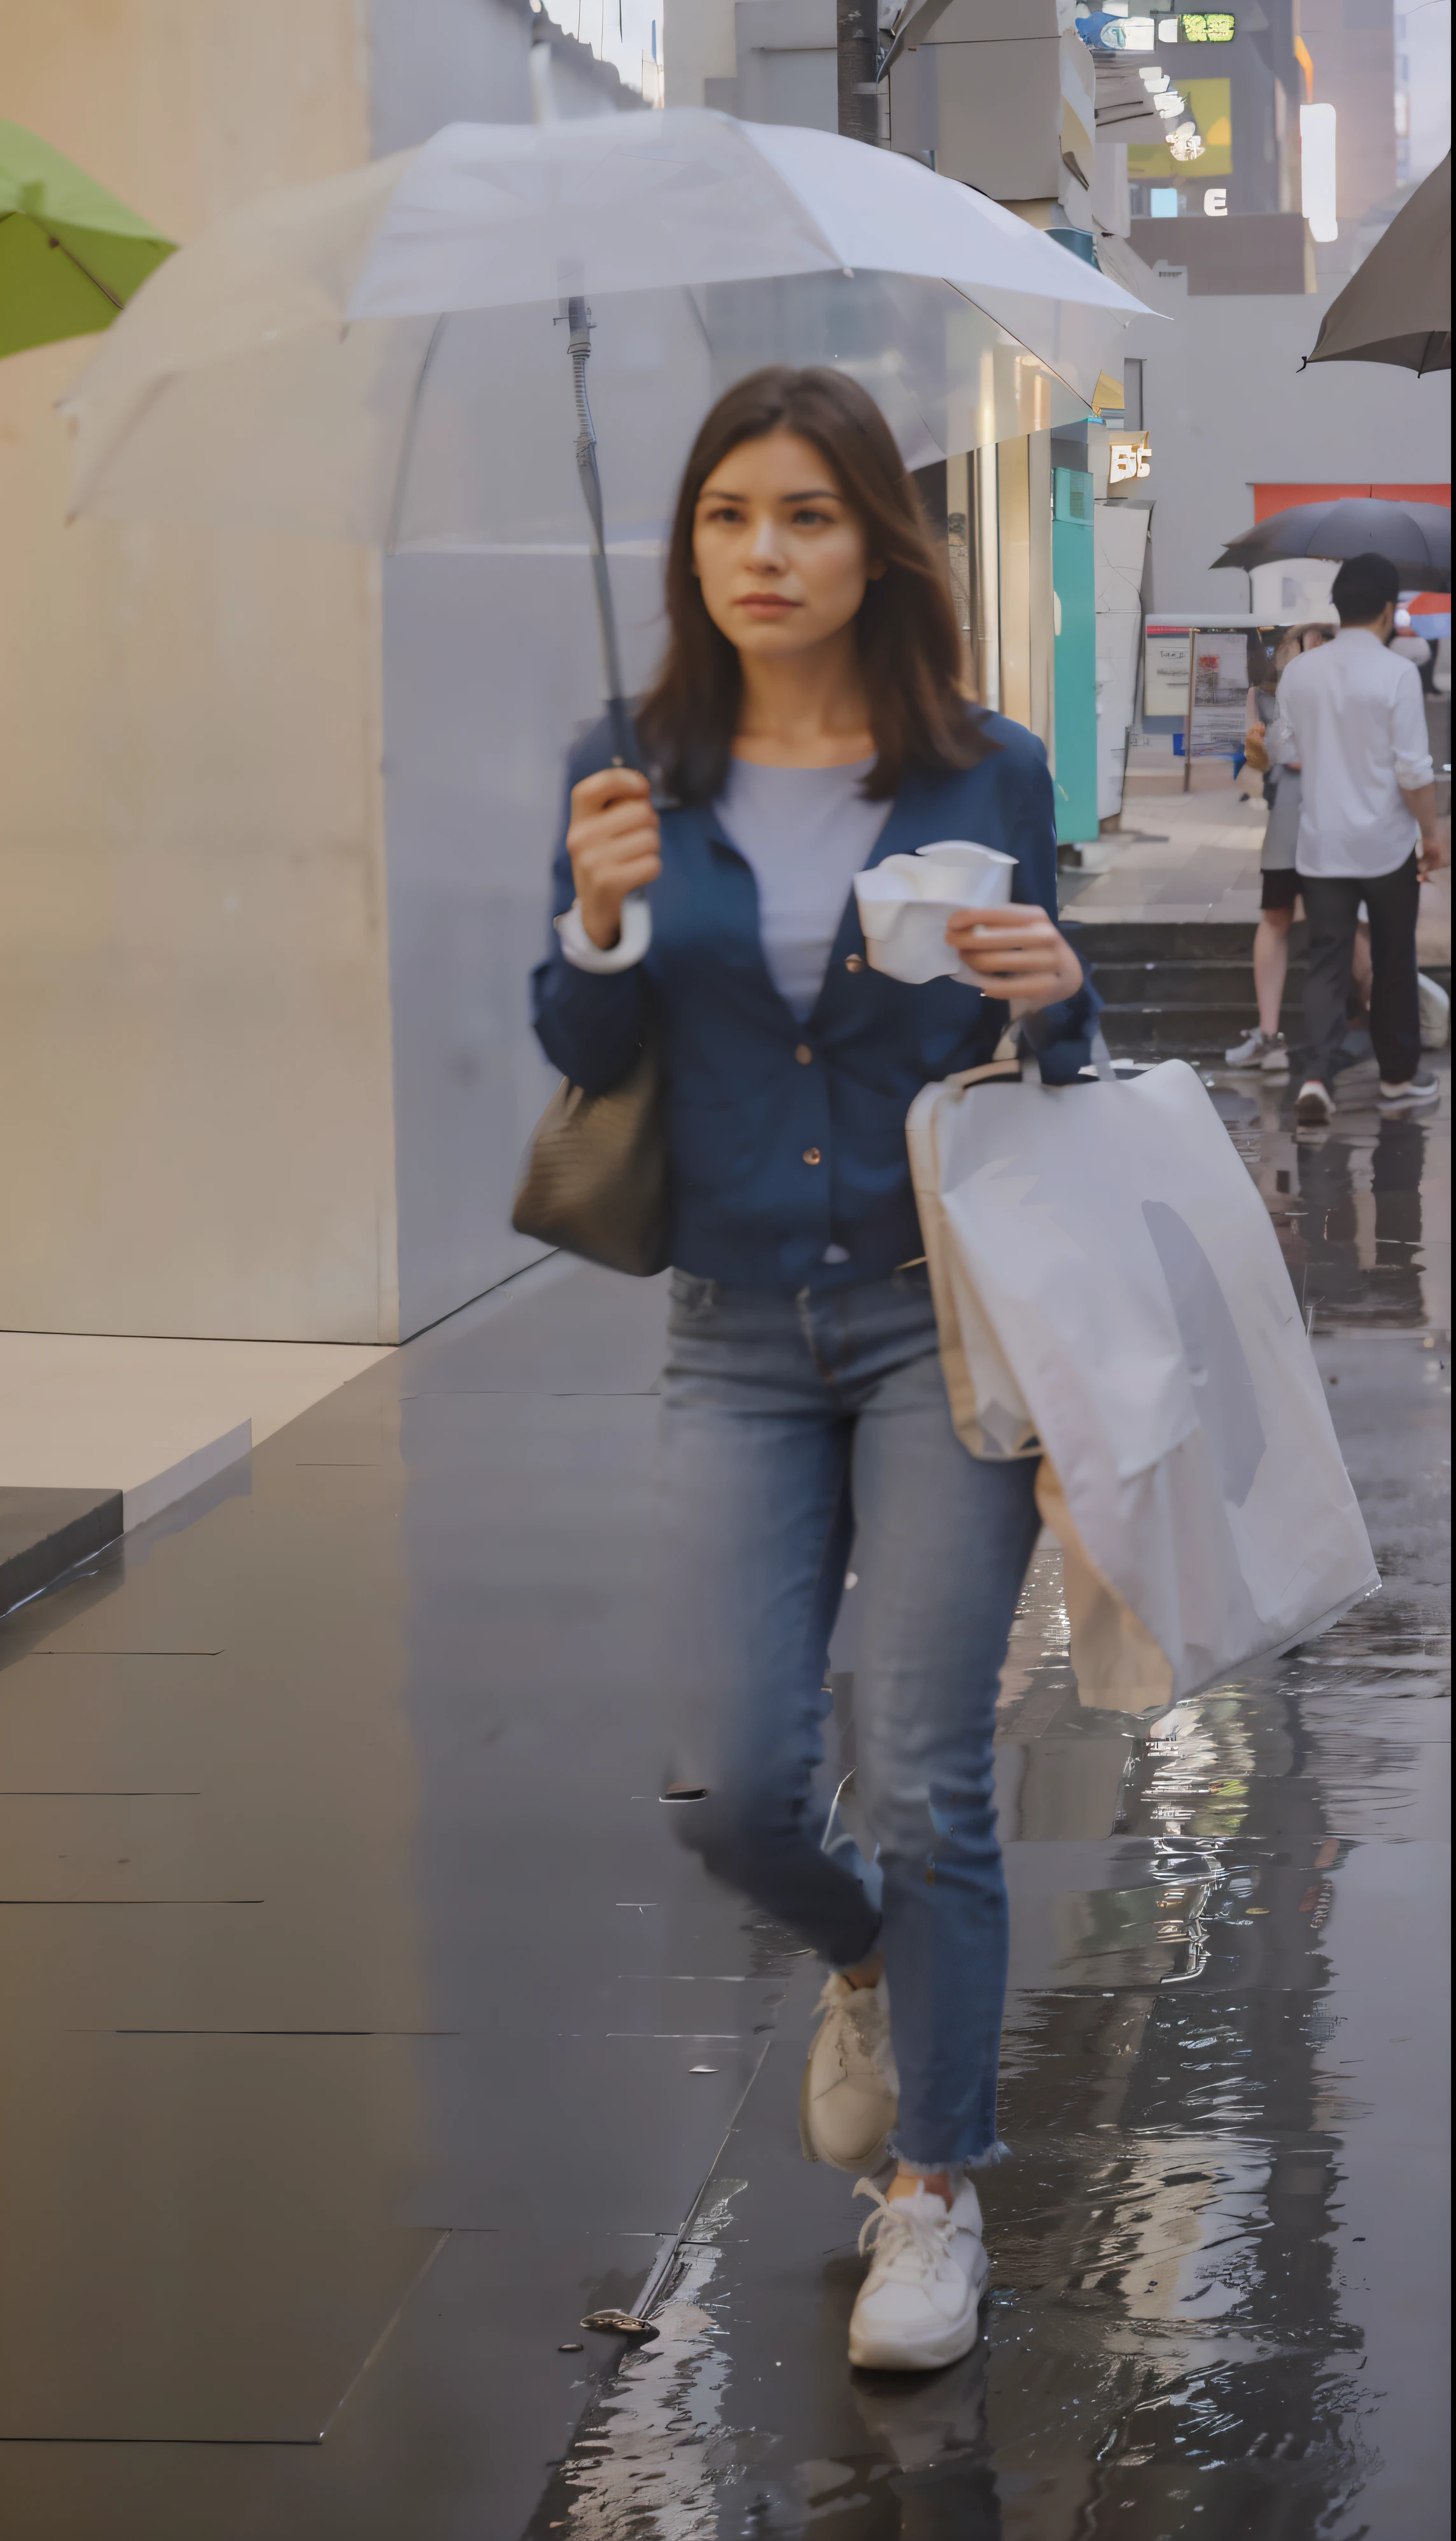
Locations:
column 580, row 346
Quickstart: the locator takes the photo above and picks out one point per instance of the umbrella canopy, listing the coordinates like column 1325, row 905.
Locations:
column 1415, row 536
column 1397, row 307
column 1430, row 613
column 70, row 254
column 378, row 356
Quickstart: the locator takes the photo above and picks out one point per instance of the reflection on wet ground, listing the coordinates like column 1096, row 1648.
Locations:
column 1216, row 2303
column 364, row 2030
column 1362, row 1208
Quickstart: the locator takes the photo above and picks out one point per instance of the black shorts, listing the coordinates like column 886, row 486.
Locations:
column 1278, row 890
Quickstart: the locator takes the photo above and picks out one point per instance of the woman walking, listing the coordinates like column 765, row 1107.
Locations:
column 807, row 722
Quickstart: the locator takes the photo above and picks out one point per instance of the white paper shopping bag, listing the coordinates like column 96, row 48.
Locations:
column 1110, row 1296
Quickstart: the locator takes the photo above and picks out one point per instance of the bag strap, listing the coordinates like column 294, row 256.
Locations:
column 1010, row 1068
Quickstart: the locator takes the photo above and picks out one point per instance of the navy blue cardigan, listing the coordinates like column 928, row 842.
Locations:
column 774, row 1160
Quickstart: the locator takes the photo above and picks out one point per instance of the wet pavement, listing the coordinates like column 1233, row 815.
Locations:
column 363, row 2028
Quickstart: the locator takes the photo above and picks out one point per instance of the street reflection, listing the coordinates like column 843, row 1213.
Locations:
column 1181, row 2315
column 1361, row 1208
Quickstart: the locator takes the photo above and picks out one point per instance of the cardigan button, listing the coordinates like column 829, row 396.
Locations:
column 856, row 962
column 804, row 1054
column 812, row 1156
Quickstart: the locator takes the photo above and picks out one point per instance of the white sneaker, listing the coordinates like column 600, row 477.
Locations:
column 850, row 2090
column 1436, row 1012
column 917, row 2306
column 1316, row 1104
column 1264, row 1051
column 1410, row 1096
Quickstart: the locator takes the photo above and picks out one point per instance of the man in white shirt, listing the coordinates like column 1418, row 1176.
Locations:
column 1354, row 717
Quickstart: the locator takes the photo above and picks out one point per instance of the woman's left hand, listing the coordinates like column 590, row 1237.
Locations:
column 1017, row 953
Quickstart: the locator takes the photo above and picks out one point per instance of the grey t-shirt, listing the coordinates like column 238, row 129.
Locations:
column 806, row 831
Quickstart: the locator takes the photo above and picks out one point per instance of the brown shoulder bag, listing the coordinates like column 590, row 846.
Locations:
column 595, row 1176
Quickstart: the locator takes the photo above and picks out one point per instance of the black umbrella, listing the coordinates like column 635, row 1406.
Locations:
column 1397, row 307
column 1415, row 536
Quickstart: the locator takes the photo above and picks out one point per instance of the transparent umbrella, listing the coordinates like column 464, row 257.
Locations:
column 382, row 355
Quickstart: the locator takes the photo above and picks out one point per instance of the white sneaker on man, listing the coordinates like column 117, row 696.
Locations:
column 850, row 2090
column 918, row 2308
column 1267, row 1051
column 1417, row 1090
column 1436, row 1012
column 1315, row 1104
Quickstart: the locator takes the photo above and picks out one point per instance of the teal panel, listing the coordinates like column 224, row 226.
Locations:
column 1074, row 656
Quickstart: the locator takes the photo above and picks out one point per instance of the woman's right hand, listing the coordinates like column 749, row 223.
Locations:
column 614, row 844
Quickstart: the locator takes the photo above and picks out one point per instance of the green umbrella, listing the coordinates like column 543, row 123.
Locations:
column 70, row 254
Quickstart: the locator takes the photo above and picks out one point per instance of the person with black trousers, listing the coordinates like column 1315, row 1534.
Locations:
column 1354, row 717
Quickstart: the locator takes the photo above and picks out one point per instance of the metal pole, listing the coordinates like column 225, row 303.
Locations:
column 858, row 35
column 988, row 577
column 579, row 345
column 1188, row 717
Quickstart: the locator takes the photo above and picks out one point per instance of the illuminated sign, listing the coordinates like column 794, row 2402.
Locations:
column 1130, row 35
column 1202, row 134
column 1128, row 459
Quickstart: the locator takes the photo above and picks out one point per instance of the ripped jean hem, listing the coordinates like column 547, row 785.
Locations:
column 995, row 2152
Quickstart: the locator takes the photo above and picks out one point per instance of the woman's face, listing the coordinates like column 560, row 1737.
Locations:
column 779, row 555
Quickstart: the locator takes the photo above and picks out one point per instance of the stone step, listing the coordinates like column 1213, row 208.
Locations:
column 1155, row 940
column 1188, row 1032
column 1182, row 984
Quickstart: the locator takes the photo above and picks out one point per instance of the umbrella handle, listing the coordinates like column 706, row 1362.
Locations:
column 579, row 345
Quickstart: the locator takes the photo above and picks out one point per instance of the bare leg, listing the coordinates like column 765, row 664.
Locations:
column 905, row 2182
column 1272, row 964
column 867, row 1973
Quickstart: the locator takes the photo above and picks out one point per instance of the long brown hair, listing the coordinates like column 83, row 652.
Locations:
column 910, row 644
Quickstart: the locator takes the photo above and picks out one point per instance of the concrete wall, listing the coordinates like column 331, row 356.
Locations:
column 195, row 1040
column 788, row 64
column 698, row 46
column 1227, row 407
column 433, row 62
column 276, row 818
column 489, row 666
column 1011, row 112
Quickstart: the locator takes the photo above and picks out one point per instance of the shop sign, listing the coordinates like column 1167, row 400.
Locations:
column 1218, row 709
column 1165, row 671
column 1139, row 34
column 1128, row 457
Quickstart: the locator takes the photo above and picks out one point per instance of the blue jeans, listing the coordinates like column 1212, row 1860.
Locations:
column 792, row 1427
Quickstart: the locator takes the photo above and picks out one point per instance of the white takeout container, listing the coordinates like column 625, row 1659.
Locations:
column 905, row 905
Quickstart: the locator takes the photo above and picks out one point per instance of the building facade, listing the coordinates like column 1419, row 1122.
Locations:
column 276, row 813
